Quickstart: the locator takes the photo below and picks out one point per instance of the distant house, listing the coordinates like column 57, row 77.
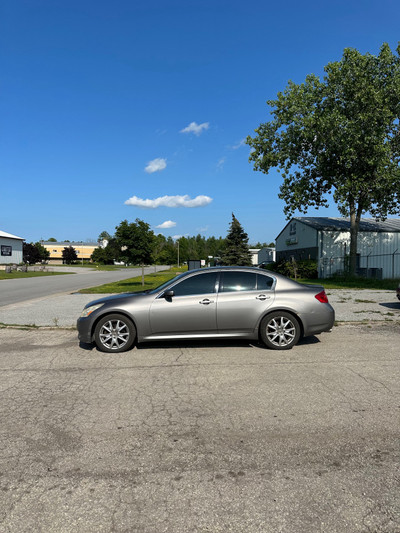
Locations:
column 327, row 240
column 10, row 249
column 83, row 250
column 259, row 255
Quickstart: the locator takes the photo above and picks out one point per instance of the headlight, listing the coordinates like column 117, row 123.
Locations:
column 88, row 310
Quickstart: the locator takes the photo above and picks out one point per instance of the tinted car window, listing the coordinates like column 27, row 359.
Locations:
column 199, row 284
column 264, row 283
column 239, row 281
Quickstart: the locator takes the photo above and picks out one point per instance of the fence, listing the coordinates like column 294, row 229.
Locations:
column 378, row 266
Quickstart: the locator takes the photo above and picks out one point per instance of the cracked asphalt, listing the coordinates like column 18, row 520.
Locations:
column 210, row 437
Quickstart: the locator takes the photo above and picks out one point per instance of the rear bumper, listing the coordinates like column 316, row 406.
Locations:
column 316, row 323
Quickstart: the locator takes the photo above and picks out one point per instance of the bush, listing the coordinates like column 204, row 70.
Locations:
column 307, row 269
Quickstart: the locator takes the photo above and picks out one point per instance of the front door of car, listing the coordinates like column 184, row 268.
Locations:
column 191, row 310
column 242, row 299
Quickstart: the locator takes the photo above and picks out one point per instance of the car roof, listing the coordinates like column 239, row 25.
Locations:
column 279, row 277
column 222, row 268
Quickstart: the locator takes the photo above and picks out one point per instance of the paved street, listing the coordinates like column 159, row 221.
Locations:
column 211, row 437
column 19, row 290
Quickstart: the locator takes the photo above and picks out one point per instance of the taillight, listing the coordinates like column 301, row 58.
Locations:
column 322, row 297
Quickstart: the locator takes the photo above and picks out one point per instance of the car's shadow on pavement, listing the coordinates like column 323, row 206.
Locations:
column 206, row 343
column 87, row 347
column 391, row 305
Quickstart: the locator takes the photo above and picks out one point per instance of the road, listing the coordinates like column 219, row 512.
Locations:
column 210, row 437
column 19, row 290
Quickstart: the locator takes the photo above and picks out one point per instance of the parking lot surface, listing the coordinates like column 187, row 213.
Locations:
column 207, row 437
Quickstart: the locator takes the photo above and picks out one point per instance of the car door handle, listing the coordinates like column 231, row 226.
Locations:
column 263, row 297
column 206, row 301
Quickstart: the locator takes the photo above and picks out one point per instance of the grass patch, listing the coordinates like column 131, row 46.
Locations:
column 16, row 274
column 151, row 281
column 21, row 326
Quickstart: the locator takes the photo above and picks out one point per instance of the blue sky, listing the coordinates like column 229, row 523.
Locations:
column 105, row 105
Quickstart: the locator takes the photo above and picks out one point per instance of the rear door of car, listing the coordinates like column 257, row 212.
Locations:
column 242, row 298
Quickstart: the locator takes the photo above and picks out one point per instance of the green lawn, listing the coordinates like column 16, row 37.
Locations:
column 15, row 274
column 151, row 281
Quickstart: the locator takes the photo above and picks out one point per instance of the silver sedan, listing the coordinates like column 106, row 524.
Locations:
column 220, row 302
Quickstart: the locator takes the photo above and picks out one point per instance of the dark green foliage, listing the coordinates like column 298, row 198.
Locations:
column 69, row 255
column 166, row 250
column 339, row 136
column 107, row 255
column 34, row 253
column 236, row 247
column 135, row 242
column 104, row 236
column 307, row 269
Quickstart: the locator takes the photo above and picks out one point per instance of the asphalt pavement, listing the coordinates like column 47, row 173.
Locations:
column 23, row 289
column 221, row 437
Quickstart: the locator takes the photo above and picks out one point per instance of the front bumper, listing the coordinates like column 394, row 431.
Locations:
column 84, row 327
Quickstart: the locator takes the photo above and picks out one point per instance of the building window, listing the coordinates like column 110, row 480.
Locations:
column 6, row 250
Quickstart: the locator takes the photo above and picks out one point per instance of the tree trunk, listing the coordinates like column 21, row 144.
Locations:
column 354, row 226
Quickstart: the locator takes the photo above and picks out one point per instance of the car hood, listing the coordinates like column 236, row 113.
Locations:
column 117, row 298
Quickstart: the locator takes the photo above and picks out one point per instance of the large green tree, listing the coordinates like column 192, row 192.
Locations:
column 236, row 247
column 136, row 241
column 340, row 136
column 34, row 253
column 69, row 255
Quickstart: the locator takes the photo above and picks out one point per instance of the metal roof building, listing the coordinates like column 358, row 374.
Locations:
column 327, row 240
column 10, row 248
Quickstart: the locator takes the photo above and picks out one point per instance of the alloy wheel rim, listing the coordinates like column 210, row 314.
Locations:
column 114, row 334
column 281, row 331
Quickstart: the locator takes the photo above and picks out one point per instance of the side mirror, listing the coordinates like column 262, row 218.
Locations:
column 168, row 294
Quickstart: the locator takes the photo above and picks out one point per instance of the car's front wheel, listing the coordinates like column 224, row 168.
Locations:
column 114, row 333
column 280, row 330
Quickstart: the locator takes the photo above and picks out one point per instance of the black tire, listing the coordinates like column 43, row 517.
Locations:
column 114, row 334
column 280, row 330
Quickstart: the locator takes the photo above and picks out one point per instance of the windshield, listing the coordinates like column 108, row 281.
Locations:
column 167, row 283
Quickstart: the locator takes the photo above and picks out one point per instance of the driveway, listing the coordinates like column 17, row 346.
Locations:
column 210, row 437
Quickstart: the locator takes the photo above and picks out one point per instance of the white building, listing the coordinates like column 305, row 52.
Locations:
column 327, row 240
column 259, row 255
column 10, row 248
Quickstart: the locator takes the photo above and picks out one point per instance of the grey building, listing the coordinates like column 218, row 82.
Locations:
column 10, row 248
column 327, row 240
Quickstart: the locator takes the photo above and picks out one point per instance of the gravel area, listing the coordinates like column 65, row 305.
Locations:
column 62, row 310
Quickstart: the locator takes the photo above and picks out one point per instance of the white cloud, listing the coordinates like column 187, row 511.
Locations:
column 239, row 144
column 156, row 165
column 170, row 201
column 196, row 128
column 202, row 230
column 167, row 224
column 221, row 162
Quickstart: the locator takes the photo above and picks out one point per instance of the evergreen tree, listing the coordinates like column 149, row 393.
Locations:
column 237, row 248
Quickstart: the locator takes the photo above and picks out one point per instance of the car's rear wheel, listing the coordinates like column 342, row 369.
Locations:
column 280, row 330
column 114, row 333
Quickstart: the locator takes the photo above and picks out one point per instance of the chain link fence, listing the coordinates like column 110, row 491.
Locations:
column 376, row 266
